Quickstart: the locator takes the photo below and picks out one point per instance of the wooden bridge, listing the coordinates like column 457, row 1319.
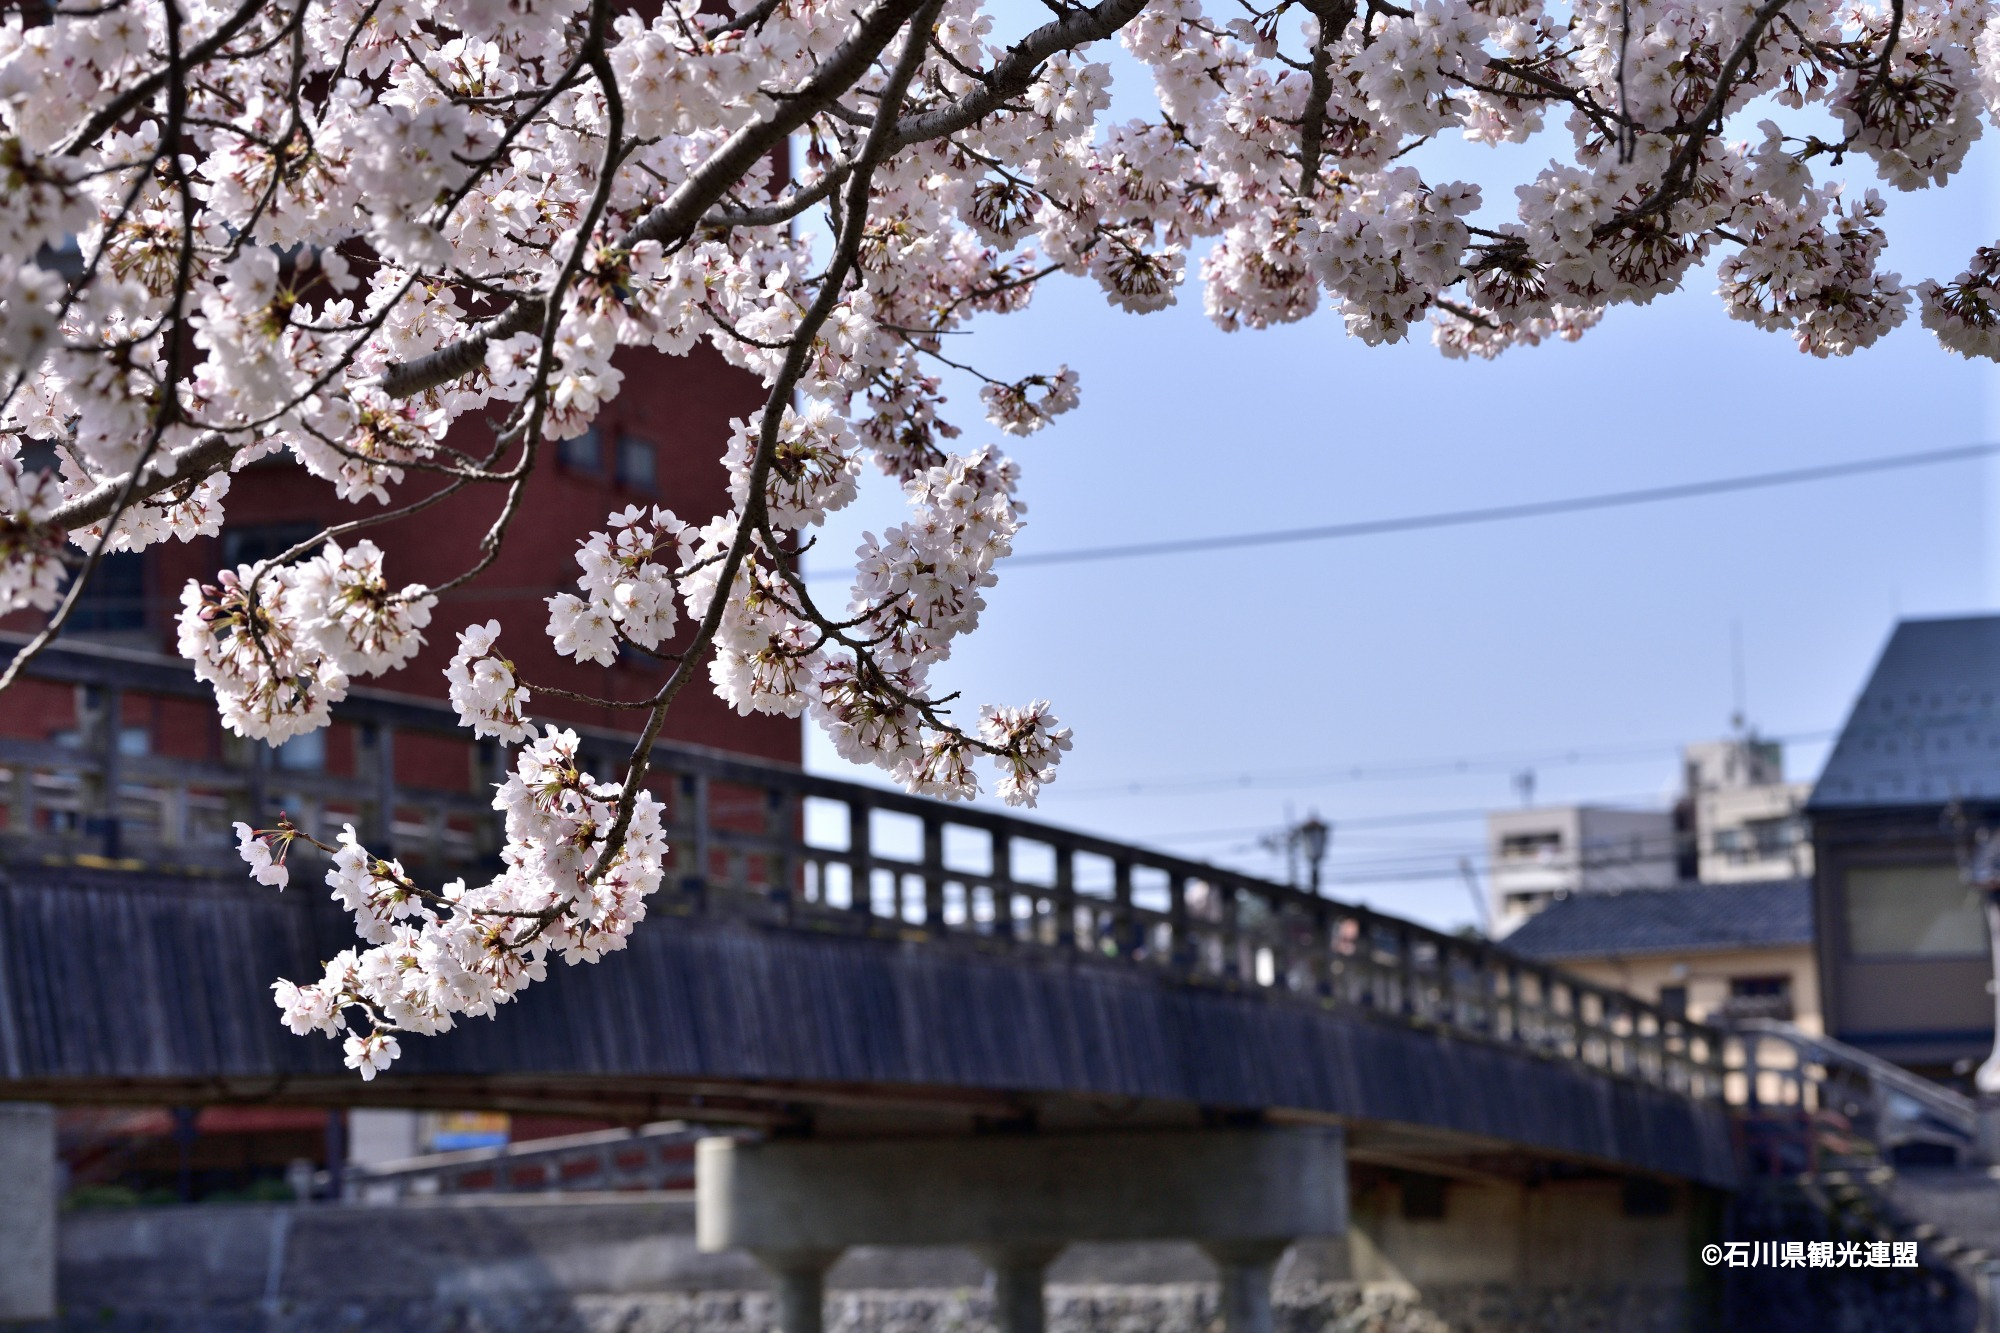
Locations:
column 825, row 954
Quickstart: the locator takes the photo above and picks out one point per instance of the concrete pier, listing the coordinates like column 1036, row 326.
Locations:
column 1018, row 1199
column 1018, row 1271
column 1244, row 1269
column 27, row 1212
column 800, row 1278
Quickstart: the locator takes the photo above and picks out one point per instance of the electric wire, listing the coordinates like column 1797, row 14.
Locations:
column 1453, row 518
column 1423, row 768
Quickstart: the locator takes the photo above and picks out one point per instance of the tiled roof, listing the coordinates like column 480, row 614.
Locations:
column 1927, row 727
column 1690, row 918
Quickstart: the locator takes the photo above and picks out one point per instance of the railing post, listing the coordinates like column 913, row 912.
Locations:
column 1184, row 954
column 1065, row 899
column 21, row 801
column 174, row 815
column 1232, row 942
column 933, row 873
column 1573, row 1023
column 1000, row 890
column 1278, row 941
column 694, row 795
column 1367, row 973
column 1406, row 967
column 110, row 722
column 1447, row 975
column 1482, row 1016
column 1125, row 932
column 1553, row 1037
column 861, row 873
column 382, row 822
column 1322, row 951
column 780, row 825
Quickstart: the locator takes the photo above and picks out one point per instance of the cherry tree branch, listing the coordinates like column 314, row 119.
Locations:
column 845, row 257
column 673, row 221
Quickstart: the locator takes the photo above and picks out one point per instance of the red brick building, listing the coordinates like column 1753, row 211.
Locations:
column 659, row 442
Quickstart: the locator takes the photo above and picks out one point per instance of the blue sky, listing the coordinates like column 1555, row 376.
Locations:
column 1210, row 694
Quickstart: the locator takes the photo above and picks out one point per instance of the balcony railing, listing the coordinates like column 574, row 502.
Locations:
column 771, row 844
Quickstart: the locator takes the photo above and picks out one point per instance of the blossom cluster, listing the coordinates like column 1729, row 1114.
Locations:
column 279, row 643
column 329, row 230
column 432, row 957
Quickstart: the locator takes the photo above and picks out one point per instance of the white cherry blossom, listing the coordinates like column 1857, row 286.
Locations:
column 338, row 230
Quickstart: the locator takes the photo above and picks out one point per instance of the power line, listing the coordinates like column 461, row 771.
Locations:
column 1453, row 518
column 1419, row 768
column 1404, row 820
column 1450, row 518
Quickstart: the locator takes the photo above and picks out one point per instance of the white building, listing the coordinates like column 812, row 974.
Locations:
column 1739, row 822
column 1749, row 823
column 1535, row 854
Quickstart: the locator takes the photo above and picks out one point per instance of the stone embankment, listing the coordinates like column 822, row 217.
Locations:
column 629, row 1265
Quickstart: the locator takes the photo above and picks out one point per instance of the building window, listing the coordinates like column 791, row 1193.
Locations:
column 1761, row 839
column 637, row 464
column 1530, row 846
column 1674, row 1001
column 1758, row 997
column 581, row 453
column 115, row 597
column 304, row 753
column 133, row 742
column 257, row 542
column 1920, row 911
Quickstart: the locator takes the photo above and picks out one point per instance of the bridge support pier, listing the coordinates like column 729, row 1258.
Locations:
column 1246, row 1267
column 1018, row 1304
column 27, row 1212
column 801, row 1279
column 1244, row 1194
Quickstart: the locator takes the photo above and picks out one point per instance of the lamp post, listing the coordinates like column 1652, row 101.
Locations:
column 1313, row 837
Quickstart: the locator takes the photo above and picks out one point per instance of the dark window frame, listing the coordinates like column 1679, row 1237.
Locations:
column 630, row 445
column 582, row 455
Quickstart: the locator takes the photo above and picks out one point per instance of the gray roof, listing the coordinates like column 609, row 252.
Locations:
column 1689, row 919
column 1926, row 728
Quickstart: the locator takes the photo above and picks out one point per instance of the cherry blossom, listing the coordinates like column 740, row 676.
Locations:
column 321, row 233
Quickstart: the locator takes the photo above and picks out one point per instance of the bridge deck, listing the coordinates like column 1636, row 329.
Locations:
column 804, row 964
column 123, row 986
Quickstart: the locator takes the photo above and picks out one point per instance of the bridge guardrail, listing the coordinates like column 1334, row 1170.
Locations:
column 770, row 843
column 1803, row 1096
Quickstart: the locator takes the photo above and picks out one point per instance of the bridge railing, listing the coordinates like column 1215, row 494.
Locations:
column 1805, row 1099
column 769, row 843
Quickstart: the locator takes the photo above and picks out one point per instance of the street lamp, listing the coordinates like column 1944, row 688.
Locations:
column 1979, row 867
column 1313, row 837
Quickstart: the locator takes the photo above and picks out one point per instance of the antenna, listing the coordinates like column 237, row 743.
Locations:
column 1524, row 783
column 1736, row 673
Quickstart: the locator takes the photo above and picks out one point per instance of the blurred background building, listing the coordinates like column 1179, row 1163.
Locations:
column 655, row 444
